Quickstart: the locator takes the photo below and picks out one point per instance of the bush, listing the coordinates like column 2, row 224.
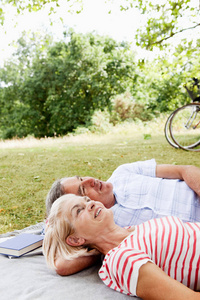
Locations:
column 100, row 121
column 124, row 107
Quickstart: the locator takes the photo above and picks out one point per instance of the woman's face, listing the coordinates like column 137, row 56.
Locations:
column 88, row 218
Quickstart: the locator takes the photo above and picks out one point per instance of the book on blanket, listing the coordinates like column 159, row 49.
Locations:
column 21, row 244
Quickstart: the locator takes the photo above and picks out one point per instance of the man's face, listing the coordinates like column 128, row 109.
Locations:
column 88, row 186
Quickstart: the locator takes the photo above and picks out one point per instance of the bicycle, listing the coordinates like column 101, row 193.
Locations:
column 182, row 128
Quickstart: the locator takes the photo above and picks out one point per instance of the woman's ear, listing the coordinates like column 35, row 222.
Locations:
column 72, row 240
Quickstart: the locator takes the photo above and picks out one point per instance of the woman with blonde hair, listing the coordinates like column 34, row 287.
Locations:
column 159, row 259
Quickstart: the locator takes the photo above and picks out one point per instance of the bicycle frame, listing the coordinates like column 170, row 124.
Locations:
column 196, row 99
column 191, row 118
column 194, row 127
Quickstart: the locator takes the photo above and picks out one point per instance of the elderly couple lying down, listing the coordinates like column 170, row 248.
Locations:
column 156, row 259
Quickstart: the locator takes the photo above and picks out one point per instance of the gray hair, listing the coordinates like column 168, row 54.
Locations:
column 55, row 192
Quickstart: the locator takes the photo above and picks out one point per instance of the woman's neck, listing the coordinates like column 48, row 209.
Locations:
column 111, row 239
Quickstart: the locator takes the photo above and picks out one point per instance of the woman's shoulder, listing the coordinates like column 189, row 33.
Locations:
column 130, row 228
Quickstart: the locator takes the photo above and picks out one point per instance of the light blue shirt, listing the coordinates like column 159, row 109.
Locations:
column 141, row 196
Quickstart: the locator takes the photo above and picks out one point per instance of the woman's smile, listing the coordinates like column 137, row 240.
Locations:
column 97, row 212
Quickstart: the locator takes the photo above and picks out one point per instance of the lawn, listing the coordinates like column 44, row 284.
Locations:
column 30, row 166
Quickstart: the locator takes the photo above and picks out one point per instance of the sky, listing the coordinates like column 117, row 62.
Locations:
column 119, row 25
column 94, row 17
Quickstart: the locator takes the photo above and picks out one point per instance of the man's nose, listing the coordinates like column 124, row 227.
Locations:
column 89, row 180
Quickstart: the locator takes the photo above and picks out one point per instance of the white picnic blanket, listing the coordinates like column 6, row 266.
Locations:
column 28, row 278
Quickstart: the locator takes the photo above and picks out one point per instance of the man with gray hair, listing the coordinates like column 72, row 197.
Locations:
column 136, row 192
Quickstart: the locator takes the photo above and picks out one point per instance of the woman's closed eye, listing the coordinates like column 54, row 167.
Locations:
column 79, row 210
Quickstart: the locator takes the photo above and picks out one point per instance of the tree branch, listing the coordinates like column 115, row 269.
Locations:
column 172, row 34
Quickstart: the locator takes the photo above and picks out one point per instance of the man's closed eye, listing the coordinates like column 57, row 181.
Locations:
column 82, row 188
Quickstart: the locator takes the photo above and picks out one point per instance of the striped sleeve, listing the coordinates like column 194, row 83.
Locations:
column 120, row 269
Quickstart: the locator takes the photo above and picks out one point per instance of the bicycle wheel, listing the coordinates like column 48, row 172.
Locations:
column 167, row 132
column 185, row 127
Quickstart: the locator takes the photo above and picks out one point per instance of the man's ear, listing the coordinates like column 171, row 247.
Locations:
column 72, row 240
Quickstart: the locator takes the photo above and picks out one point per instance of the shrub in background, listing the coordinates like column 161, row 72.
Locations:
column 124, row 107
column 100, row 121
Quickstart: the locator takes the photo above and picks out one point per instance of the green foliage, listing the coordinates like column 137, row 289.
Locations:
column 57, row 88
column 160, row 83
column 166, row 94
column 22, row 6
column 164, row 19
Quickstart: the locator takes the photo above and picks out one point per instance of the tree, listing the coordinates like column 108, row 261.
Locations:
column 58, row 88
column 164, row 20
column 160, row 83
column 35, row 5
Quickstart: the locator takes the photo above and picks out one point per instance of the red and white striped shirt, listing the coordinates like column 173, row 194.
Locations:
column 172, row 245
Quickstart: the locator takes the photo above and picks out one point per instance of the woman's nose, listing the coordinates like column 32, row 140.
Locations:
column 90, row 205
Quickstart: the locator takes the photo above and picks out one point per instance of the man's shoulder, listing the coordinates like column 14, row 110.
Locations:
column 139, row 167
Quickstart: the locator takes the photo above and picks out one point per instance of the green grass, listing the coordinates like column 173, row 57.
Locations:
column 30, row 166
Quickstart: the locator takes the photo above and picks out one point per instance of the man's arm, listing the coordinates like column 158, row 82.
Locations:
column 190, row 174
column 69, row 267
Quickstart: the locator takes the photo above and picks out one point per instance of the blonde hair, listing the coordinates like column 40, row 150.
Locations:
column 58, row 228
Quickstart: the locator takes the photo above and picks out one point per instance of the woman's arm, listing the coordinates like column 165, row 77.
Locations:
column 190, row 174
column 154, row 284
column 69, row 267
